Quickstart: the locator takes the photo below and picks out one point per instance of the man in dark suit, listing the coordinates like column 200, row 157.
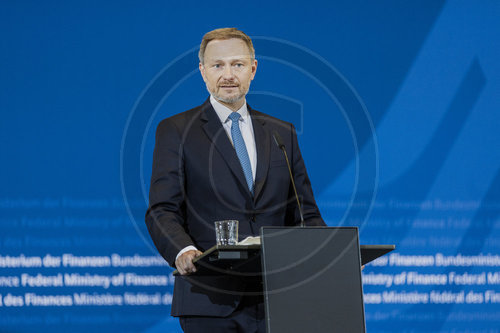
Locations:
column 218, row 162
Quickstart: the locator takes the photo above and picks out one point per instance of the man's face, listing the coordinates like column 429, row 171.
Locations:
column 227, row 71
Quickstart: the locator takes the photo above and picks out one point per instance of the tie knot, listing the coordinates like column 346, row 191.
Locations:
column 234, row 116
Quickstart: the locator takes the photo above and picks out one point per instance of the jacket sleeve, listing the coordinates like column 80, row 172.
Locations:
column 165, row 217
column 312, row 216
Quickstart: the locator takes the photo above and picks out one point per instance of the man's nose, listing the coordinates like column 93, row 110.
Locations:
column 228, row 72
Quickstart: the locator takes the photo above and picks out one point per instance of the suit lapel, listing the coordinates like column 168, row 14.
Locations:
column 262, row 144
column 213, row 128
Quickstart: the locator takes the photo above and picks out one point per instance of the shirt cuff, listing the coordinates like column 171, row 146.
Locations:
column 187, row 248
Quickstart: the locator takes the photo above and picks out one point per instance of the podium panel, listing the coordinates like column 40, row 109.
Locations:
column 312, row 280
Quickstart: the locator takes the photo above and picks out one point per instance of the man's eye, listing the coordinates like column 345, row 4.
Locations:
column 217, row 66
column 239, row 65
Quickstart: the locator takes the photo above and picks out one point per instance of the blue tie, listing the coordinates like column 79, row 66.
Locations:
column 241, row 149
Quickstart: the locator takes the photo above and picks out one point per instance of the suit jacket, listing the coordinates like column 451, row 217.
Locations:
column 197, row 179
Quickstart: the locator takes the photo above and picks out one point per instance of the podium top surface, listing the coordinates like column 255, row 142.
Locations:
column 231, row 258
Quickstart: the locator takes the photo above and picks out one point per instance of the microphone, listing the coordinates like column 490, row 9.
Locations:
column 281, row 145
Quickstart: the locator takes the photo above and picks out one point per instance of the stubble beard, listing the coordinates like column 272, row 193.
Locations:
column 229, row 100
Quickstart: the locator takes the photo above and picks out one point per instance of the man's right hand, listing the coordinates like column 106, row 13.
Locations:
column 185, row 264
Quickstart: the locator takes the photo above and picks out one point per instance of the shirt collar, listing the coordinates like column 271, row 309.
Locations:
column 223, row 111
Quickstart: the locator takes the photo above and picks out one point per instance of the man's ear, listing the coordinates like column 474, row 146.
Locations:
column 202, row 71
column 254, row 68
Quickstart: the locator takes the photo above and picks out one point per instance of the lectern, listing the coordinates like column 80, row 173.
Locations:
column 311, row 276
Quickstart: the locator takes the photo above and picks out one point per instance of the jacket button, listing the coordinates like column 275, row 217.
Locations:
column 253, row 218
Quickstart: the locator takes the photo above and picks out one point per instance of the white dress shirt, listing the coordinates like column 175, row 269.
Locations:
column 246, row 129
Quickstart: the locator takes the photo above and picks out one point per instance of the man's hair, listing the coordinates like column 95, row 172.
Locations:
column 221, row 34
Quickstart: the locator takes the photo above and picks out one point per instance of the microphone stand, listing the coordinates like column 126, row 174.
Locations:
column 279, row 143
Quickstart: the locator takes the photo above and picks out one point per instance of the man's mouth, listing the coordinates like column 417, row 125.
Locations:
column 228, row 85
